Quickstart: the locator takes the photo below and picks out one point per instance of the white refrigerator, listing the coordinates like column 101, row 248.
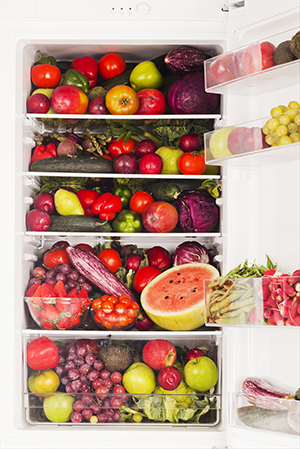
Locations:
column 259, row 208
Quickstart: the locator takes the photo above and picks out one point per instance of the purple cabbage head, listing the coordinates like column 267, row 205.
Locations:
column 187, row 95
column 197, row 211
column 191, row 252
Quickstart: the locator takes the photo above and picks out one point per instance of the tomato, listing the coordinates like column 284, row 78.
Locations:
column 122, row 100
column 189, row 164
column 43, row 382
column 86, row 247
column 143, row 276
column 159, row 257
column 55, row 256
column 139, row 201
column 45, row 75
column 97, row 303
column 111, row 65
column 110, row 258
column 116, row 147
column 125, row 300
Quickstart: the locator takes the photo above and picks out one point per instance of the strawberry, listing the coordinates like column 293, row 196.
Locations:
column 47, row 291
column 76, row 307
column 85, row 300
column 64, row 322
column 36, row 301
column 60, row 290
column 74, row 321
column 44, row 321
column 62, row 305
column 33, row 289
column 51, row 313
column 72, row 293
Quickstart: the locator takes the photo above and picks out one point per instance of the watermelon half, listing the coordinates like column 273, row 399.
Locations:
column 174, row 300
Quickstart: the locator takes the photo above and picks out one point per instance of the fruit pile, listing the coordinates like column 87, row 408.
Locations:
column 283, row 127
column 110, row 312
column 96, row 382
column 52, row 308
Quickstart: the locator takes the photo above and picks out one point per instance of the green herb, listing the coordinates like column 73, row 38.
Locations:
column 50, row 183
column 127, row 129
column 171, row 131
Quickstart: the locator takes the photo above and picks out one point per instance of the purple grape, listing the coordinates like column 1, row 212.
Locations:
column 67, row 288
column 76, row 385
column 95, row 408
column 87, row 399
column 106, row 403
column 33, row 281
column 87, row 413
column 117, row 415
column 78, row 361
column 49, row 275
column 98, row 364
column 102, row 417
column 57, row 267
column 81, row 351
column 69, row 388
column 87, row 287
column 90, row 359
column 116, row 402
column 70, row 357
column 83, row 379
column 65, row 268
column 84, row 369
column 78, row 405
column 69, row 365
column 70, row 348
column 76, row 417
column 85, row 388
column 61, row 359
column 70, row 284
column 110, row 419
column 108, row 383
column 97, row 383
column 93, row 375
column 61, row 350
column 105, row 374
column 73, row 275
column 73, row 374
column 39, row 272
column 51, row 281
column 81, row 280
column 65, row 380
column 60, row 277
column 109, row 412
column 59, row 369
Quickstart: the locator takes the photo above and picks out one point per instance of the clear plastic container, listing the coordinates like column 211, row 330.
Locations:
column 114, row 405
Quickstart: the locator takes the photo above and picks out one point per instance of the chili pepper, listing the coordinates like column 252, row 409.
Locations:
column 42, row 152
column 127, row 221
column 42, row 353
column 124, row 193
column 46, row 60
column 75, row 78
column 88, row 66
column 107, row 205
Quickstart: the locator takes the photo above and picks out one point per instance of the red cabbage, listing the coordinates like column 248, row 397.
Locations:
column 197, row 211
column 190, row 252
column 187, row 95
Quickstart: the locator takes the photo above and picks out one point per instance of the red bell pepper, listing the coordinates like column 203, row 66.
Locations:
column 88, row 66
column 86, row 198
column 42, row 152
column 42, row 353
column 107, row 205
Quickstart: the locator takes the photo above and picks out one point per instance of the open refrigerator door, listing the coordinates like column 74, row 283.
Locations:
column 249, row 227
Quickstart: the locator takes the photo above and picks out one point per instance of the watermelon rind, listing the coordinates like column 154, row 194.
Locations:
column 190, row 313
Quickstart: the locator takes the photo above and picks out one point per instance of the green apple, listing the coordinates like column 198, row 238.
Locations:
column 58, row 407
column 145, row 76
column 201, row 373
column 46, row 92
column 139, row 378
column 218, row 142
column 170, row 156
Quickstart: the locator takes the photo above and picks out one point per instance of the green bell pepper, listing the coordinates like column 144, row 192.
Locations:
column 46, row 60
column 127, row 221
column 124, row 193
column 75, row 78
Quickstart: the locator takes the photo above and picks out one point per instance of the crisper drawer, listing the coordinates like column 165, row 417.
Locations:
column 120, row 380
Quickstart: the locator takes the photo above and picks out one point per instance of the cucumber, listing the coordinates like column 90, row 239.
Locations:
column 81, row 164
column 77, row 223
column 163, row 191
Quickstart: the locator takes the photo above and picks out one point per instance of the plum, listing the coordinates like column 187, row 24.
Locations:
column 145, row 146
column 38, row 104
column 190, row 142
column 151, row 164
column 125, row 163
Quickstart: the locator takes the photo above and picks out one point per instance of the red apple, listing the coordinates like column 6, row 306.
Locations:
column 159, row 353
column 169, row 377
column 69, row 100
column 151, row 102
column 38, row 220
column 45, row 202
column 143, row 322
column 151, row 164
column 38, row 104
column 190, row 142
column 193, row 354
column 97, row 106
column 145, row 146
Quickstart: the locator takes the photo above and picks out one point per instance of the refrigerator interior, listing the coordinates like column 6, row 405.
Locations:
column 260, row 207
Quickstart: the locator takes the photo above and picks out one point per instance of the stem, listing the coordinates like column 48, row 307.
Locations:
column 153, row 138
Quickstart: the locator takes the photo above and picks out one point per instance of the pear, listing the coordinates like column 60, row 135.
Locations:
column 67, row 203
column 170, row 156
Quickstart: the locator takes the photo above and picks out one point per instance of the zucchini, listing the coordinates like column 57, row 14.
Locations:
column 78, row 223
column 163, row 191
column 80, row 164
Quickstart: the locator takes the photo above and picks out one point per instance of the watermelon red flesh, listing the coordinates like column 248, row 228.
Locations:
column 175, row 299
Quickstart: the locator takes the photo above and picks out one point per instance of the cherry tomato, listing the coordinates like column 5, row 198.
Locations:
column 113, row 300
column 99, row 315
column 111, row 65
column 189, row 164
column 45, row 75
column 159, row 257
column 143, row 276
column 112, row 318
column 125, row 300
column 97, row 303
column 120, row 308
column 107, row 306
column 86, row 247
column 122, row 100
column 56, row 256
column 123, row 320
column 110, row 258
column 139, row 201
column 116, row 148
